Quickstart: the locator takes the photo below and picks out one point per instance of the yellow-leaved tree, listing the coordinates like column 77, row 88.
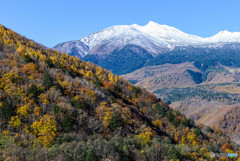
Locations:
column 45, row 130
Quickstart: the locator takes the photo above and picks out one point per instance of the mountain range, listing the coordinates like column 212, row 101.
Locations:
column 125, row 48
column 153, row 37
column 197, row 76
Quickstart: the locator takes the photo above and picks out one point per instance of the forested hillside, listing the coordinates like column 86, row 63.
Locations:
column 56, row 107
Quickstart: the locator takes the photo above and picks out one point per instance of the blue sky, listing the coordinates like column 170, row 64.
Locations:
column 50, row 22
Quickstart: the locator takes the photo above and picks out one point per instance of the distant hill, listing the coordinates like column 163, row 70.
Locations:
column 165, row 76
column 205, row 96
column 57, row 107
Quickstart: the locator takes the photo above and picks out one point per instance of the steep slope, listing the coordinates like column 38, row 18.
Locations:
column 57, row 107
column 124, row 60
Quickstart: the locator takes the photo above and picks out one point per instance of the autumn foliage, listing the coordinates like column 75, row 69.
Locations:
column 56, row 107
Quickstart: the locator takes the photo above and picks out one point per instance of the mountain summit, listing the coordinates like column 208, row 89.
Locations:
column 169, row 35
column 225, row 36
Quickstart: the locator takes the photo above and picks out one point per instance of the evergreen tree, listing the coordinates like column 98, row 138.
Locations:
column 209, row 129
column 197, row 131
column 176, row 122
column 28, row 59
column 47, row 81
column 172, row 153
column 67, row 123
column 116, row 121
column 49, row 63
column 91, row 156
column 162, row 111
column 170, row 116
column 34, row 91
column 7, row 110
column 76, row 102
column 55, row 109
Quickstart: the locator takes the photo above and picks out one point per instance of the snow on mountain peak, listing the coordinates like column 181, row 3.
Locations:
column 225, row 36
column 169, row 34
column 153, row 37
column 224, row 32
column 151, row 23
column 175, row 36
column 162, row 34
column 106, row 34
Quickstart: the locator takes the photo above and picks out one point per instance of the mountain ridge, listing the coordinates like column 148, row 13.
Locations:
column 166, row 37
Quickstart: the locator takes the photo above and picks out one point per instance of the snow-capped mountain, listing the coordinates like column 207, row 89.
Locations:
column 169, row 35
column 115, row 37
column 153, row 37
column 224, row 36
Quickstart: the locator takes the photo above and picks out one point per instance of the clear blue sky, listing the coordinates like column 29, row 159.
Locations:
column 50, row 22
